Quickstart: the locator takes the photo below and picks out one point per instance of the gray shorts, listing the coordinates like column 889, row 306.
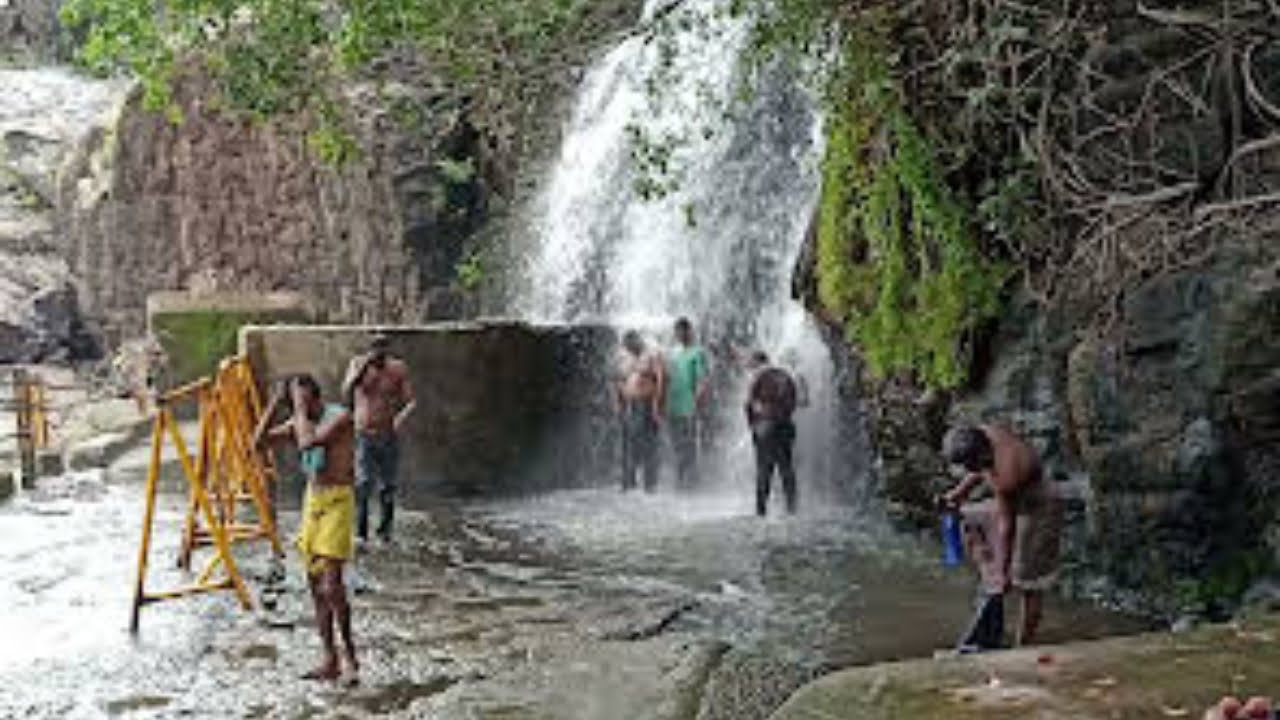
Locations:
column 1036, row 534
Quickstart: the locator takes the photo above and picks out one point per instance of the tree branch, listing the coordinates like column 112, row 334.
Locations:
column 1246, row 203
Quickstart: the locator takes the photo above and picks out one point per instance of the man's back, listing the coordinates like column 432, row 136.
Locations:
column 1017, row 464
column 772, row 395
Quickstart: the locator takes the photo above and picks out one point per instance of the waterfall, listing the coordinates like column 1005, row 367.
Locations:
column 721, row 247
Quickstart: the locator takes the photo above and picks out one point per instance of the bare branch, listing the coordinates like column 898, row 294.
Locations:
column 1231, row 206
column 1163, row 195
column 1251, row 85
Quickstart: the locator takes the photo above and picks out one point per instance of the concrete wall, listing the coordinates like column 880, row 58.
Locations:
column 502, row 407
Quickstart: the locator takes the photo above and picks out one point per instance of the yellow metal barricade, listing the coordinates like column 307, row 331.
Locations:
column 239, row 473
column 226, row 472
column 31, row 411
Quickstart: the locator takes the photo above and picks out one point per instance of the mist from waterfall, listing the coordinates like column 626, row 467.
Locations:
column 719, row 249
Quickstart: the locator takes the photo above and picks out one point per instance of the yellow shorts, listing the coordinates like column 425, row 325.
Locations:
column 327, row 516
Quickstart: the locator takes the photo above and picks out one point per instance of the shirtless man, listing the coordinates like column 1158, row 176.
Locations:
column 1018, row 531
column 324, row 436
column 377, row 387
column 639, row 389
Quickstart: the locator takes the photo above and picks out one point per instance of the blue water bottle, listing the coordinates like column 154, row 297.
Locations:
column 952, row 544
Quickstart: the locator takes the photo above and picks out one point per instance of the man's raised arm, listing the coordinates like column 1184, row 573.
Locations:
column 264, row 433
column 355, row 369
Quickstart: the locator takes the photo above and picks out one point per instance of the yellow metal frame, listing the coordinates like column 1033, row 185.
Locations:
column 226, row 471
column 32, row 416
column 239, row 473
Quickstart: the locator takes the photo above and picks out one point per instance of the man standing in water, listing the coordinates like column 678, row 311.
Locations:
column 1018, row 531
column 686, row 401
column 324, row 437
column 638, row 391
column 771, row 402
column 377, row 387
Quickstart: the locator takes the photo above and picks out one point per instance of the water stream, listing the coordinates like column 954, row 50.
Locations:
column 720, row 246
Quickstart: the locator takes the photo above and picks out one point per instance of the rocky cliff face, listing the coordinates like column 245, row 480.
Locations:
column 29, row 32
column 1161, row 426
column 1147, row 373
column 43, row 114
column 216, row 202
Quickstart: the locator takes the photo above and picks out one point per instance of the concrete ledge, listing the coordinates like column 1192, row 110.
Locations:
column 502, row 406
column 1146, row 676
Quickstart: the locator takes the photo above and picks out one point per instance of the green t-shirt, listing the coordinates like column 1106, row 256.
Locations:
column 688, row 368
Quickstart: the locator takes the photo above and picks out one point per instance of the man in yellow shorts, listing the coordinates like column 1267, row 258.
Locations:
column 325, row 438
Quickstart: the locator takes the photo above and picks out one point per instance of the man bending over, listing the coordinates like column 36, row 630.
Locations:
column 1018, row 531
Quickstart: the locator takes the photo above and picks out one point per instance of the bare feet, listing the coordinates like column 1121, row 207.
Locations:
column 328, row 671
column 352, row 676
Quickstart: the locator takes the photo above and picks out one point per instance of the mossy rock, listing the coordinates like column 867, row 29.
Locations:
column 197, row 333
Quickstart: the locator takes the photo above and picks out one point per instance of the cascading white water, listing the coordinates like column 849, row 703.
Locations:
column 721, row 248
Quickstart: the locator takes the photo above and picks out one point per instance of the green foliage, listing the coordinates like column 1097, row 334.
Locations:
column 456, row 172
column 790, row 28
column 272, row 57
column 197, row 340
column 331, row 143
column 898, row 262
column 655, row 172
column 471, row 272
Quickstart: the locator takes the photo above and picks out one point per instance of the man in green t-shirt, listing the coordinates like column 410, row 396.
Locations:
column 687, row 390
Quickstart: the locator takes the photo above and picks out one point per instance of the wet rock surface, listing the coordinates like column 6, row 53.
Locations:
column 1143, row 677
column 584, row 604
column 42, row 117
column 29, row 31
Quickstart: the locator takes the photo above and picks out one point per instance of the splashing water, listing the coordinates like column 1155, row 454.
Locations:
column 719, row 247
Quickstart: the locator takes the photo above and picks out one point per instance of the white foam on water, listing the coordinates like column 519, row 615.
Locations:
column 721, row 248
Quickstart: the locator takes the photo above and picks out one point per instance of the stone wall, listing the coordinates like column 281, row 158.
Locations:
column 220, row 204
column 502, row 407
